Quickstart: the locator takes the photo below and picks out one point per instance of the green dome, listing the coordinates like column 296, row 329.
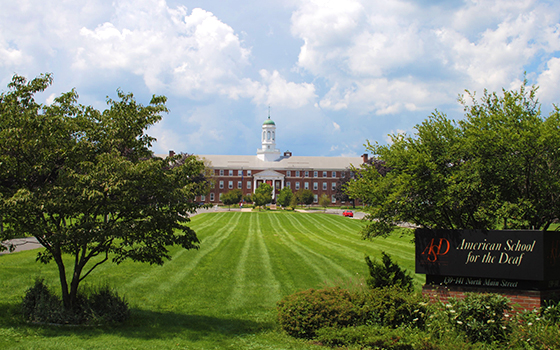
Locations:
column 268, row 122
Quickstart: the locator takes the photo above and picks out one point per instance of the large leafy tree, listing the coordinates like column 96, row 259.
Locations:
column 85, row 184
column 499, row 167
column 232, row 197
column 262, row 195
column 285, row 197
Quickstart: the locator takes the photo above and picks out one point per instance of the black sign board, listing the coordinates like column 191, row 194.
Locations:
column 512, row 254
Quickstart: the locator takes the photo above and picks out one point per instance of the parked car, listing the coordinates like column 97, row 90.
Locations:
column 348, row 213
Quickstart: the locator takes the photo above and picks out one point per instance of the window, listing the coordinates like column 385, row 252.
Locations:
column 306, row 185
column 324, row 186
column 230, row 184
column 288, row 184
column 324, row 174
column 221, row 172
column 220, row 197
column 231, row 173
column 248, row 185
column 297, row 185
column 239, row 184
column 342, row 174
column 239, row 172
column 315, row 174
column 203, row 198
column 333, row 186
column 211, row 197
column 333, row 199
column 288, row 173
column 248, row 172
column 334, row 174
column 307, row 174
column 297, row 173
column 315, row 186
column 221, row 184
column 315, row 198
column 277, row 184
column 213, row 184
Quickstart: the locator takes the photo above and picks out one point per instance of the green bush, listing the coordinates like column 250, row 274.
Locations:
column 107, row 306
column 482, row 317
column 103, row 305
column 370, row 337
column 303, row 313
column 393, row 307
column 386, row 273
column 41, row 305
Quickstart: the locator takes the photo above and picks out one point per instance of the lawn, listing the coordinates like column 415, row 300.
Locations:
column 221, row 296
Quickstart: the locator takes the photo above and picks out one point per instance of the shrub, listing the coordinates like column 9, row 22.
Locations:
column 41, row 305
column 107, row 306
column 482, row 316
column 368, row 336
column 303, row 313
column 393, row 307
column 387, row 273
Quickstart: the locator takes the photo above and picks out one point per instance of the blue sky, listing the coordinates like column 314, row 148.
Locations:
column 334, row 73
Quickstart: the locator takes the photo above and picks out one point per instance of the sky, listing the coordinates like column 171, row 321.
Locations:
column 333, row 74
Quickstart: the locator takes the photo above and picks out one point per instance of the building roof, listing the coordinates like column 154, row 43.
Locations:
column 287, row 163
column 268, row 122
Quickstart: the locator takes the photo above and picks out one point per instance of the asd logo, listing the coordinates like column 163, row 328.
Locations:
column 436, row 248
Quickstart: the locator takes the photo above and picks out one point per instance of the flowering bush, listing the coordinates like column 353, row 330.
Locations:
column 481, row 316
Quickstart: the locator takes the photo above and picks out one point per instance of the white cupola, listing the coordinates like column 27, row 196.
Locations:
column 268, row 151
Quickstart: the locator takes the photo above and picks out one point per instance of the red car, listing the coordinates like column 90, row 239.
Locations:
column 348, row 213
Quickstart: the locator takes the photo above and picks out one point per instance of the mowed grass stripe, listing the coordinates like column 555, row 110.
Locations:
column 323, row 260
column 255, row 283
column 330, row 238
column 175, row 271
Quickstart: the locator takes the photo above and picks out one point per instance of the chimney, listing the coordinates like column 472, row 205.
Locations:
column 365, row 158
column 171, row 153
column 287, row 154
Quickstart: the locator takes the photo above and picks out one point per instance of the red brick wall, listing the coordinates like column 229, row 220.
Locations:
column 520, row 299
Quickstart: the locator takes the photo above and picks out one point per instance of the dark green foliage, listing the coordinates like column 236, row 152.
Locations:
column 551, row 313
column 232, row 197
column 496, row 167
column 482, row 317
column 387, row 273
column 303, row 313
column 368, row 337
column 41, row 305
column 107, row 306
column 392, row 307
column 103, row 306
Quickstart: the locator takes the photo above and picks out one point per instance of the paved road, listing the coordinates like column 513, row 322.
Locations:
column 23, row 244
column 31, row 242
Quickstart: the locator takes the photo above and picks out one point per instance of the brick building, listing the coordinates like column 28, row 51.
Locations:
column 269, row 165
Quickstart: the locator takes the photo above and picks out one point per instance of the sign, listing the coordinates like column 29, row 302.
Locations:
column 502, row 255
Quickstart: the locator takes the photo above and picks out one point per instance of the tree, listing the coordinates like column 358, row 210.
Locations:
column 262, row 195
column 285, row 197
column 232, row 197
column 305, row 196
column 85, row 184
column 496, row 168
column 340, row 189
column 324, row 201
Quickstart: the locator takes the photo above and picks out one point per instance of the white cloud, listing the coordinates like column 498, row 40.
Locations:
column 390, row 57
column 279, row 92
column 188, row 54
column 549, row 82
column 336, row 126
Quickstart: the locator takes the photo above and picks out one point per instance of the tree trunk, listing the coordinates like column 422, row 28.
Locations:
column 63, row 283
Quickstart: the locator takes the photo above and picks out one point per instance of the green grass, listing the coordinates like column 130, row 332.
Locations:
column 221, row 296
